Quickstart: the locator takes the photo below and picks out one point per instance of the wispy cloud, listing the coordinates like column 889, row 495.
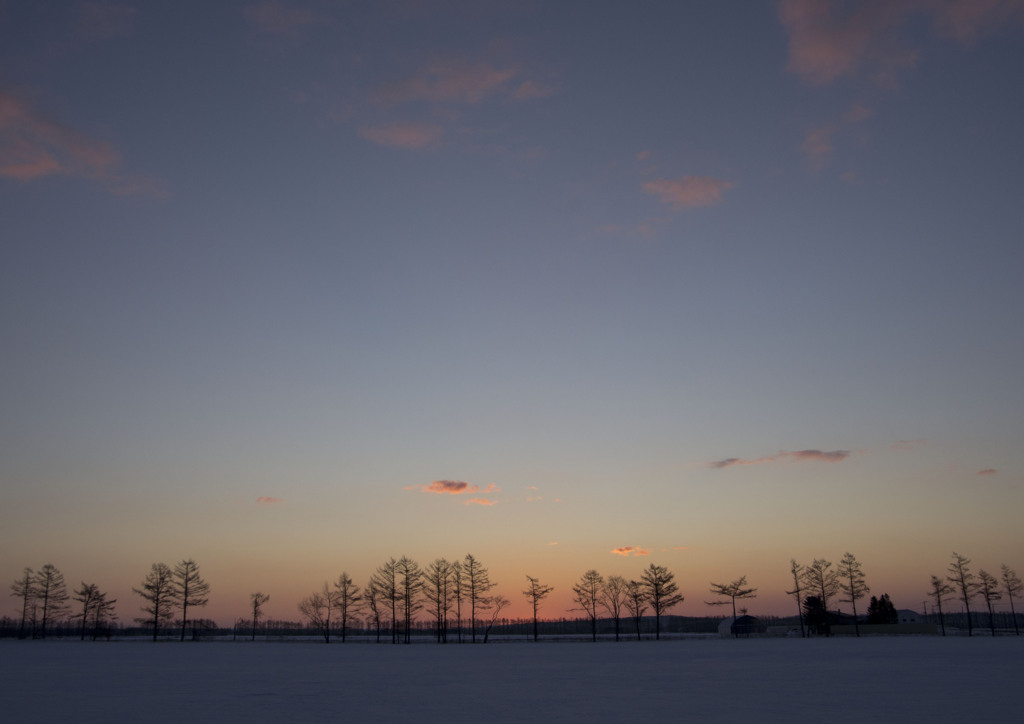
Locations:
column 452, row 487
column 819, row 141
column 830, row 39
column 908, row 444
column 689, row 191
column 403, row 135
column 987, row 471
column 267, row 500
column 280, row 19
column 104, row 20
column 627, row 551
column 827, row 456
column 458, row 80
column 34, row 145
column 481, row 501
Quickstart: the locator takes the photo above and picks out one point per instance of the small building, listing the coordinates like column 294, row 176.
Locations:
column 741, row 626
column 905, row 615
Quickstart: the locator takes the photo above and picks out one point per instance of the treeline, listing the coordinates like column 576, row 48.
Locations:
column 453, row 601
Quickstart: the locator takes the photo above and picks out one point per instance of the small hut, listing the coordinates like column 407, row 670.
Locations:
column 741, row 626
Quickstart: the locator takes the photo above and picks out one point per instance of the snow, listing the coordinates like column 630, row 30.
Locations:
column 884, row 679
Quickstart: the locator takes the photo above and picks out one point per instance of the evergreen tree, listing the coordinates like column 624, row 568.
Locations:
column 823, row 582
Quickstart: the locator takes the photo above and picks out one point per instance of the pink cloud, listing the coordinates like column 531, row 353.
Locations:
column 33, row 145
column 279, row 18
column 627, row 551
column 827, row 456
column 528, row 90
column 403, row 135
column 689, row 191
column 987, row 471
column 453, row 487
column 267, row 500
column 104, row 20
column 451, row 80
column 828, row 40
column 908, row 444
column 481, row 501
column 966, row 20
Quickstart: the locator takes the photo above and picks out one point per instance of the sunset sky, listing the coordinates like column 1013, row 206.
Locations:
column 290, row 288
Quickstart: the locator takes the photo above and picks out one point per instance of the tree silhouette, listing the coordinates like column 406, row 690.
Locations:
column 940, row 592
column 438, row 589
column 24, row 588
column 881, row 610
column 732, row 591
column 385, row 583
column 851, row 583
column 636, row 603
column 476, row 584
column 964, row 581
column 988, row 587
column 189, row 590
column 347, row 600
column 89, row 596
column 51, row 594
column 317, row 608
column 157, row 591
column 662, row 592
column 1013, row 587
column 613, row 599
column 815, row 614
column 410, row 586
column 102, row 613
column 496, row 604
column 819, row 578
column 587, row 594
column 798, row 576
column 535, row 593
column 373, row 599
column 257, row 600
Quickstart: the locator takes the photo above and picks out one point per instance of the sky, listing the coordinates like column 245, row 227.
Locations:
column 292, row 288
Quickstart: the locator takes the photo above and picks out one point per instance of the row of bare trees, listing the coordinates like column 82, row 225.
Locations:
column 44, row 600
column 656, row 589
column 398, row 590
column 167, row 590
column 815, row 585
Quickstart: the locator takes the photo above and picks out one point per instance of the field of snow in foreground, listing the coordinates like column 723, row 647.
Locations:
column 880, row 679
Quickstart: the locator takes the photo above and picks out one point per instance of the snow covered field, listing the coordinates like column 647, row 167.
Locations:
column 878, row 679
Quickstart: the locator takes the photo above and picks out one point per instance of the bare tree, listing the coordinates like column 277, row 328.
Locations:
column 102, row 614
column 940, row 592
column 662, row 593
column 347, row 600
column 1014, row 588
column 372, row 598
column 24, row 588
column 459, row 591
column 317, row 608
column 476, row 584
column 88, row 595
column 158, row 591
column 824, row 583
column 385, row 582
column 988, row 587
column 410, row 586
column 965, row 582
column 496, row 604
column 732, row 591
column 613, row 599
column 257, row 600
column 51, row 594
column 636, row 603
column 438, row 588
column 851, row 583
column 798, row 576
column 587, row 594
column 189, row 590
column 535, row 593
